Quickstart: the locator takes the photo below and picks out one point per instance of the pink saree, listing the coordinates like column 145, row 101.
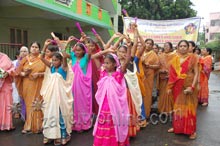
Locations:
column 6, row 93
column 82, row 93
column 111, row 127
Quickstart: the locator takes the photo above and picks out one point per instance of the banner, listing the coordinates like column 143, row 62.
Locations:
column 162, row 31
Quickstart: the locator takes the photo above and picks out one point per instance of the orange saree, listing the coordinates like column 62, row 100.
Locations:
column 149, row 58
column 206, row 64
column 181, row 76
column 29, row 89
column 165, row 102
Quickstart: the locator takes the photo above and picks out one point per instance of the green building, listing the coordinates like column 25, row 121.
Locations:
column 25, row 21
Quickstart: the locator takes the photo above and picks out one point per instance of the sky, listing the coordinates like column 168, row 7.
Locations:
column 204, row 7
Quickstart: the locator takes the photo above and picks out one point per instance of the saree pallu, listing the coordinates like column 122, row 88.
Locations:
column 111, row 127
column 140, row 76
column 6, row 93
column 58, row 106
column 82, row 93
column 184, row 112
column 206, row 69
column 29, row 89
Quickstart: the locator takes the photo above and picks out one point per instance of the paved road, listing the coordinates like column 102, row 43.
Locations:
column 208, row 129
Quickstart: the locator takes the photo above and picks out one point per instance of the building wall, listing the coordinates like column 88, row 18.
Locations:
column 214, row 27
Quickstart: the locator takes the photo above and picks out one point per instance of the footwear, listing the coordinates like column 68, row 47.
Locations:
column 24, row 131
column 143, row 123
column 205, row 104
column 57, row 142
column 65, row 140
column 171, row 130
column 193, row 136
column 46, row 140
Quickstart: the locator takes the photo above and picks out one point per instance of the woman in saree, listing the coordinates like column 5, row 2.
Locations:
column 206, row 68
column 29, row 81
column 183, row 76
column 165, row 102
column 6, row 72
column 150, row 62
column 81, row 88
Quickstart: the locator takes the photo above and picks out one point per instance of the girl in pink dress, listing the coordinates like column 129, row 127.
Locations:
column 111, row 127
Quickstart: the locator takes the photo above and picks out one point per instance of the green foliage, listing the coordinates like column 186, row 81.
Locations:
column 214, row 45
column 159, row 9
column 201, row 39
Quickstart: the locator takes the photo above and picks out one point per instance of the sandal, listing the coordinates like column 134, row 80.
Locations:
column 46, row 140
column 193, row 136
column 57, row 142
column 143, row 124
column 24, row 131
column 205, row 104
column 171, row 130
column 65, row 140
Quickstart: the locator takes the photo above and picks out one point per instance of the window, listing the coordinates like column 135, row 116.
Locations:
column 18, row 36
column 214, row 36
column 215, row 22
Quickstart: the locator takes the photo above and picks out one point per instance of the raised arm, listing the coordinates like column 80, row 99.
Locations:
column 134, row 47
column 116, row 35
column 118, row 41
column 98, row 37
column 141, row 51
column 42, row 57
column 127, row 56
column 101, row 53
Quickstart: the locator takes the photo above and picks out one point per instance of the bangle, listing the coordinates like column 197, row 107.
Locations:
column 192, row 87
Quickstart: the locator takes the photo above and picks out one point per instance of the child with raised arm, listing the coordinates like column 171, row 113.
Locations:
column 58, row 101
column 81, row 89
column 111, row 127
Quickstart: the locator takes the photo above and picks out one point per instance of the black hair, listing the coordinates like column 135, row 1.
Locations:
column 183, row 41
column 170, row 44
column 82, row 46
column 111, row 58
column 58, row 56
column 17, row 53
column 198, row 49
column 162, row 49
column 149, row 40
column 193, row 43
column 53, row 48
column 157, row 46
column 209, row 50
column 90, row 41
column 123, row 46
column 38, row 44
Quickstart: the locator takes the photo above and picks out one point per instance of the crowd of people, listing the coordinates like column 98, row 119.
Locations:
column 76, row 85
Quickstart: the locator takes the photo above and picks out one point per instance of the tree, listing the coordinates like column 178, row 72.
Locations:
column 201, row 39
column 214, row 45
column 159, row 9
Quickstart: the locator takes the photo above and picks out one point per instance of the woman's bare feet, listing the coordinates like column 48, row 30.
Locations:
column 171, row 130
column 192, row 136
